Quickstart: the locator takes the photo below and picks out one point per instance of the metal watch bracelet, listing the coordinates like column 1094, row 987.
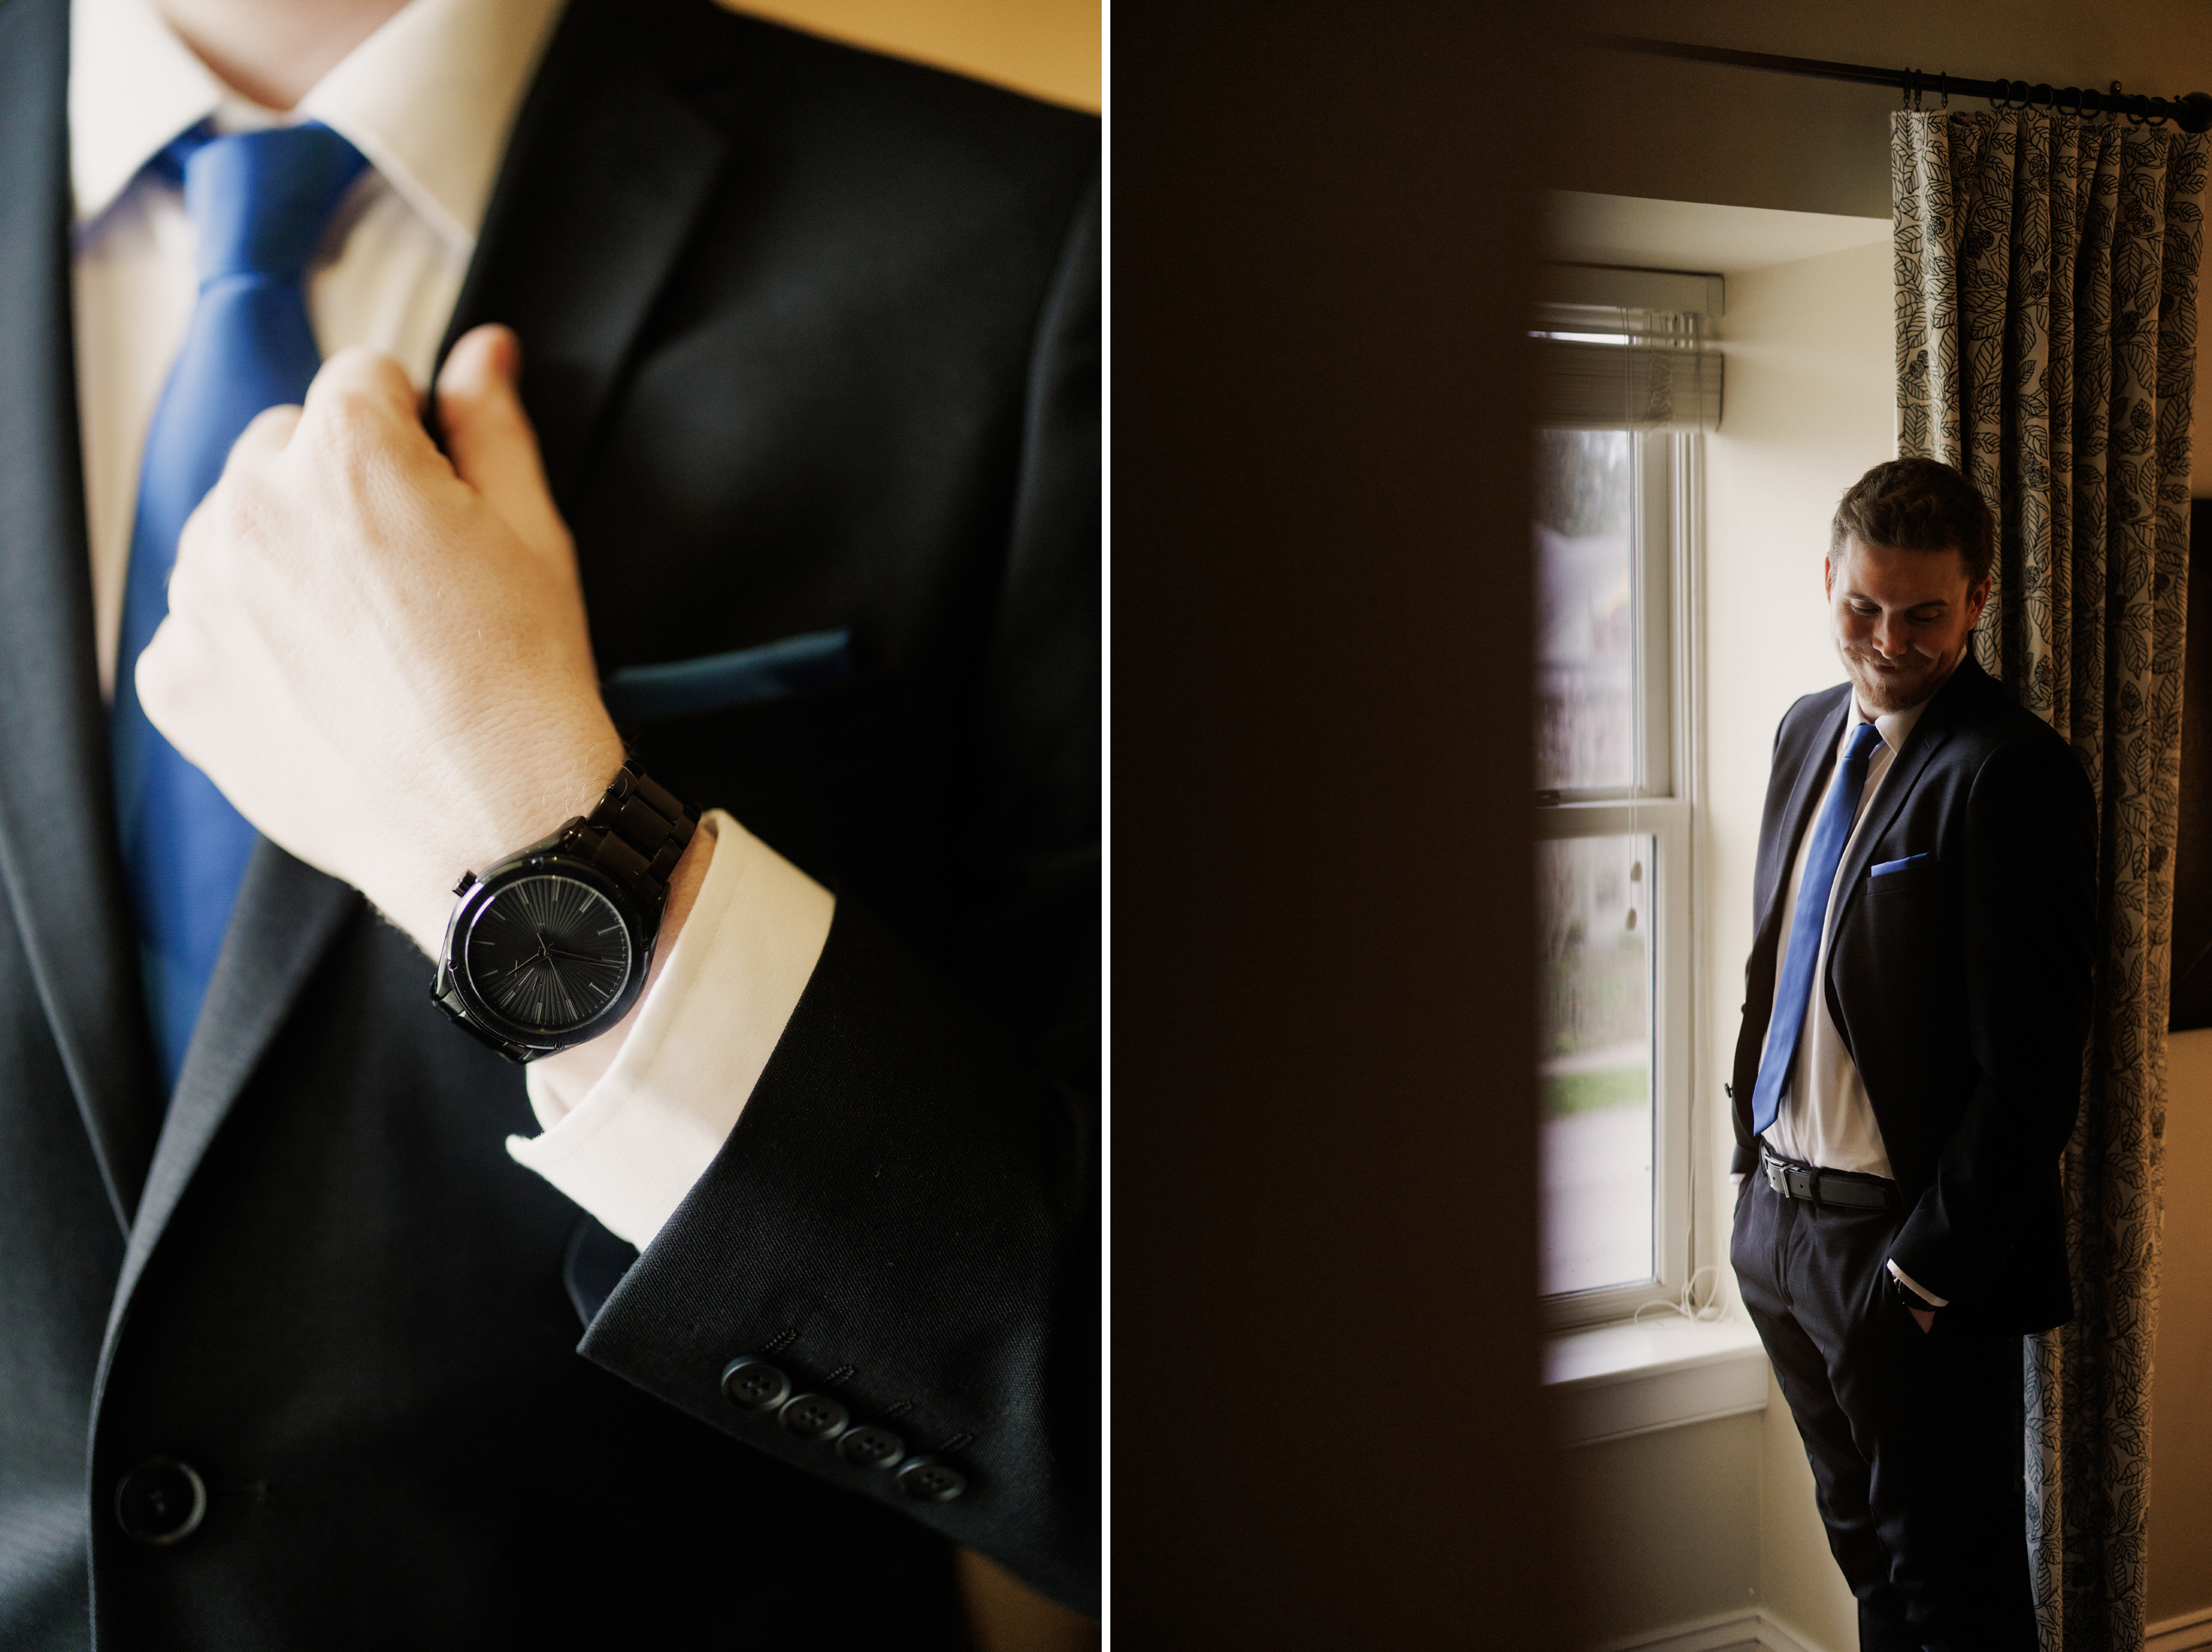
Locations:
column 636, row 833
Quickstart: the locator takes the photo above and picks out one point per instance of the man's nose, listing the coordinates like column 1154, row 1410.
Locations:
column 1888, row 637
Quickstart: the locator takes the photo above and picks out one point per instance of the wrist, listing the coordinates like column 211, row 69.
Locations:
column 551, row 945
column 570, row 1074
column 525, row 803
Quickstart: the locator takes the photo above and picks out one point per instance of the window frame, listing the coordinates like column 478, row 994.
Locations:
column 1666, row 481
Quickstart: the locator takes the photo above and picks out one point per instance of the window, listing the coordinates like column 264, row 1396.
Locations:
column 1613, row 864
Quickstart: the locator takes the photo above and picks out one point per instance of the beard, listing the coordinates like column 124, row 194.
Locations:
column 1904, row 685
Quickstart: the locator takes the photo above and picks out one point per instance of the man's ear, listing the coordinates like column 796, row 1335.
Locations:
column 1977, row 600
column 1827, row 577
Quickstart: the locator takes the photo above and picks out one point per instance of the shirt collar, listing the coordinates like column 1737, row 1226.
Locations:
column 1896, row 727
column 428, row 99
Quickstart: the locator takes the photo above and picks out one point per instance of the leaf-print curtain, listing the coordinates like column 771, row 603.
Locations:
column 2046, row 317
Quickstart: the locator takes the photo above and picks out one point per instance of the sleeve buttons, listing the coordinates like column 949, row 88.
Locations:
column 756, row 1385
column 926, row 1479
column 873, row 1447
column 815, row 1416
column 752, row 1382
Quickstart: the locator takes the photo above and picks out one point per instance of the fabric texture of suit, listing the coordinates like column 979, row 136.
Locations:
column 810, row 341
column 1960, row 979
column 1961, row 984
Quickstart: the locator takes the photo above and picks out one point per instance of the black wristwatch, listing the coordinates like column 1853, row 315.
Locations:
column 551, row 946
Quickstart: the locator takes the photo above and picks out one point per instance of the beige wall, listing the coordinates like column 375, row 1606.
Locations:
column 1688, row 131
column 2181, row 1391
column 1049, row 49
column 1808, row 409
column 1666, row 1529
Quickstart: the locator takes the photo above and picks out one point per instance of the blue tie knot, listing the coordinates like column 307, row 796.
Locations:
column 1864, row 737
column 259, row 199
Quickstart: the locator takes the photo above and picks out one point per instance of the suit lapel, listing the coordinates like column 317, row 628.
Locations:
column 608, row 167
column 1929, row 737
column 287, row 916
column 1804, row 792
column 59, row 859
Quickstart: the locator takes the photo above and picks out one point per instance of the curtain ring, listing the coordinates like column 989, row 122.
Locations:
column 2041, row 92
column 1943, row 80
column 1911, row 85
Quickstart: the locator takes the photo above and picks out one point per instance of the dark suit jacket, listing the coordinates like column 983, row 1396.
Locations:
column 1961, row 984
column 812, row 341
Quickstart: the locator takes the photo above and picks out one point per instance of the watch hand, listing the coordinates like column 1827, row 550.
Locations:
column 580, row 957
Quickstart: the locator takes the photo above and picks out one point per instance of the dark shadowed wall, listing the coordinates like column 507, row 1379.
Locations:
column 1326, row 1422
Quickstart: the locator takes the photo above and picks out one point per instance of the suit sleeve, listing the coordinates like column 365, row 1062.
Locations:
column 2028, row 916
column 904, row 1218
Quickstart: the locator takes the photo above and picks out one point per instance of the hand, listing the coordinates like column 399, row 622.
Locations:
column 1924, row 1317
column 379, row 657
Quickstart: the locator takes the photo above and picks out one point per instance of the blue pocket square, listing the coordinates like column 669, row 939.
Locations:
column 1888, row 867
column 716, row 682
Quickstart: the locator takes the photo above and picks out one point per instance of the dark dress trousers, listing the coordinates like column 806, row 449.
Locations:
column 1962, row 986
column 810, row 338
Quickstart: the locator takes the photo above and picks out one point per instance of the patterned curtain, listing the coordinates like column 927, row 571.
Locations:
column 2046, row 315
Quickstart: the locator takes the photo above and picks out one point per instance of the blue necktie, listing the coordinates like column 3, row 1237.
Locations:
column 1830, row 833
column 258, row 202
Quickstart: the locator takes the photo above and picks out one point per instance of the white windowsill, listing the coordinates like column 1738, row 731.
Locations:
column 1615, row 1381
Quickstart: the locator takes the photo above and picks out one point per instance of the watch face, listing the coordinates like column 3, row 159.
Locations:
column 549, row 953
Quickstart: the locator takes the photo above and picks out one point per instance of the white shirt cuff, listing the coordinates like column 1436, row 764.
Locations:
column 629, row 1147
column 1915, row 1286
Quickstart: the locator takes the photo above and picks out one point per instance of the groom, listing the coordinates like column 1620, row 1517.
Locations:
column 1916, row 1002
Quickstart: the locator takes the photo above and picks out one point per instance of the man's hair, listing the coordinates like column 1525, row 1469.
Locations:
column 1918, row 504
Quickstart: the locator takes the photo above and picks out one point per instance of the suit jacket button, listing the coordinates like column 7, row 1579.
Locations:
column 161, row 1500
column 873, row 1447
column 927, row 1480
column 815, row 1416
column 752, row 1382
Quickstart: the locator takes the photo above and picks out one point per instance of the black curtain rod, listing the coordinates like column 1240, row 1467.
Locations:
column 2191, row 114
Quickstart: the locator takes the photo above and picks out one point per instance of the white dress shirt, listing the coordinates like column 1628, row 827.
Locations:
column 631, row 1119
column 1826, row 1118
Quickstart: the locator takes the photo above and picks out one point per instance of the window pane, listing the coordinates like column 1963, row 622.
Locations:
column 1594, row 990
column 1585, row 641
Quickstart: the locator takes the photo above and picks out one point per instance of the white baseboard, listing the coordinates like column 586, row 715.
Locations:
column 2184, row 1634
column 1755, row 1626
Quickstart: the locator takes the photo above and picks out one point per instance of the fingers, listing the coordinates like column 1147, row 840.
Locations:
column 364, row 381
column 362, row 406
column 270, row 432
column 166, row 674
column 489, row 436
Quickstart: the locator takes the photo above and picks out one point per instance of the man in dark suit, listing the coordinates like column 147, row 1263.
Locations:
column 1916, row 1002
column 290, row 1353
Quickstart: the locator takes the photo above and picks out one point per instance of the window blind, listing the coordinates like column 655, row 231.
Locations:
column 1603, row 367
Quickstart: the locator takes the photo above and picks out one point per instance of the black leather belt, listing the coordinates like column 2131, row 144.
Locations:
column 1817, row 1186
